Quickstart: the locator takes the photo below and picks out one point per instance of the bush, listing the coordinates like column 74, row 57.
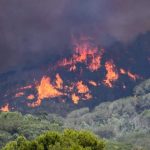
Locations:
column 68, row 140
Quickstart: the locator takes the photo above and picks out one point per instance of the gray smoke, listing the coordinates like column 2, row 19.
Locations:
column 32, row 30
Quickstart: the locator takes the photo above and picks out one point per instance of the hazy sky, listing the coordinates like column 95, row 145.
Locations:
column 31, row 30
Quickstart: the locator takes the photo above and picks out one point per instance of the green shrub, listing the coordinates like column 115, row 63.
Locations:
column 68, row 140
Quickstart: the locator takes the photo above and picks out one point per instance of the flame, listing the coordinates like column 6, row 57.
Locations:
column 59, row 82
column 19, row 94
column 75, row 98
column 111, row 75
column 73, row 68
column 122, row 71
column 93, row 83
column 85, row 54
column 82, row 88
column 5, row 108
column 131, row 75
column 88, row 96
column 95, row 64
column 31, row 97
column 45, row 90
column 26, row 87
column 83, row 51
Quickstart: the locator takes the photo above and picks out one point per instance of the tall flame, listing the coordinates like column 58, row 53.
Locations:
column 75, row 98
column 111, row 75
column 95, row 63
column 46, row 90
column 83, row 52
column 59, row 82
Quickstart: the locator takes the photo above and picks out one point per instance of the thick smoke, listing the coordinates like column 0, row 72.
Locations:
column 31, row 31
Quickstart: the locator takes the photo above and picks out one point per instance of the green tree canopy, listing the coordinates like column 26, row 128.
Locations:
column 68, row 140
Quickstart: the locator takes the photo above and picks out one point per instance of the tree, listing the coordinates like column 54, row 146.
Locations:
column 68, row 140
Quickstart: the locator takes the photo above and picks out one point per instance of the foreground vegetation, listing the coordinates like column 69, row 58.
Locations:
column 125, row 123
column 68, row 140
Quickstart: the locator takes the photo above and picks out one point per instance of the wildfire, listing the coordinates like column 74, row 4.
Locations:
column 82, row 88
column 59, row 82
column 19, row 94
column 73, row 68
column 95, row 64
column 46, row 90
column 93, row 83
column 26, row 87
column 83, row 52
column 5, row 108
column 111, row 75
column 122, row 71
column 31, row 97
column 88, row 96
column 131, row 75
column 75, row 98
column 86, row 57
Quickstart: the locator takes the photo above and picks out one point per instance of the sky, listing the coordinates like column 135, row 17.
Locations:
column 31, row 31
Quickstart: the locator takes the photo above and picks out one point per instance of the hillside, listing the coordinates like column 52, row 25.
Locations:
column 126, row 120
column 87, row 76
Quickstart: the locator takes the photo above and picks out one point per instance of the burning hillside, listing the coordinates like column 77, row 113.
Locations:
column 87, row 75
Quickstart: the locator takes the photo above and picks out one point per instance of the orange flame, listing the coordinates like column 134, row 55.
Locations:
column 73, row 68
column 19, row 94
column 131, row 75
column 88, row 96
column 5, row 108
column 93, row 83
column 82, row 88
column 75, row 98
column 31, row 97
column 95, row 64
column 122, row 71
column 84, row 51
column 90, row 56
column 111, row 75
column 45, row 90
column 26, row 87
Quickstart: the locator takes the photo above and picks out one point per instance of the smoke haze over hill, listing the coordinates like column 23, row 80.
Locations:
column 41, row 28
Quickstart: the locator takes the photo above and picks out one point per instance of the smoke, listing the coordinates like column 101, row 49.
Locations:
column 31, row 31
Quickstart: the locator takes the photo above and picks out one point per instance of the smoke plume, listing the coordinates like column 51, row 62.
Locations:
column 31, row 31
